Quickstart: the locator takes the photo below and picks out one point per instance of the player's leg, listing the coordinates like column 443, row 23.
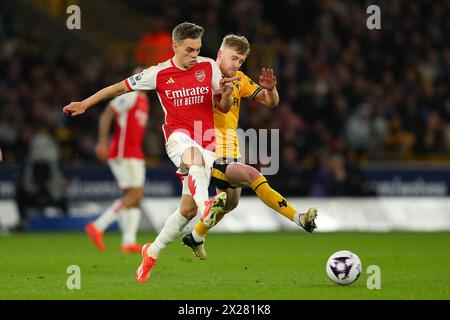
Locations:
column 197, row 178
column 129, row 176
column 246, row 176
column 129, row 220
column 196, row 238
column 130, row 217
column 198, row 181
column 189, row 158
column 96, row 229
column 173, row 227
column 233, row 196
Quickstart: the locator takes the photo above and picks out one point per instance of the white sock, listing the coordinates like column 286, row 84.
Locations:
column 130, row 224
column 296, row 219
column 109, row 216
column 198, row 238
column 198, row 182
column 172, row 228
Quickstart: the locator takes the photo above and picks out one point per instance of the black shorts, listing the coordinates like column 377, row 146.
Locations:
column 218, row 178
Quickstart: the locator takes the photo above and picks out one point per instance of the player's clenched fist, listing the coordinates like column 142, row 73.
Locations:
column 227, row 89
column 226, row 85
column 74, row 109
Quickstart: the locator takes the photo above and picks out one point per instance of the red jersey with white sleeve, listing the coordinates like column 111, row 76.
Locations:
column 186, row 96
column 131, row 110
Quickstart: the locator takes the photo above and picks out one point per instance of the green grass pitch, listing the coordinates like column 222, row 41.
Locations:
column 260, row 266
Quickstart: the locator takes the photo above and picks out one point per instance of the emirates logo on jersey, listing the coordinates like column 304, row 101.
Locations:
column 189, row 96
column 200, row 75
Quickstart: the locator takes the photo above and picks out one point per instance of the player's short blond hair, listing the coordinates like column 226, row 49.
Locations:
column 186, row 30
column 236, row 42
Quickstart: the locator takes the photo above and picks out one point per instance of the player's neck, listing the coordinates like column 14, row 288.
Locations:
column 177, row 63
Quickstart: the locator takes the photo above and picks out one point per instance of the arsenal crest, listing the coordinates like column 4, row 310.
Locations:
column 200, row 75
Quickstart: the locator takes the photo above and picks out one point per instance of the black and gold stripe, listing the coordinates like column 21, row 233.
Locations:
column 252, row 97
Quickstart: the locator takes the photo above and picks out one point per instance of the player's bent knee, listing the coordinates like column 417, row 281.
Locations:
column 189, row 212
column 138, row 192
column 192, row 156
column 252, row 174
column 135, row 196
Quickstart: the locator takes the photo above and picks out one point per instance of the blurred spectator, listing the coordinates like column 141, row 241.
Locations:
column 42, row 182
column 293, row 177
column 339, row 175
column 398, row 142
column 357, row 184
column 364, row 131
column 331, row 178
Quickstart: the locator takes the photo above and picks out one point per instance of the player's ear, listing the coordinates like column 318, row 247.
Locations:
column 219, row 54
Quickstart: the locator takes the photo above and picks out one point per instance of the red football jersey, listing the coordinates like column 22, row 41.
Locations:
column 131, row 111
column 186, row 96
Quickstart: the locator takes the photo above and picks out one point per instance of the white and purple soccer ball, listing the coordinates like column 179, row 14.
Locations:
column 343, row 267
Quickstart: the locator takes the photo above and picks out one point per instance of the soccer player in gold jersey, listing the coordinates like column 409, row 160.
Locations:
column 228, row 174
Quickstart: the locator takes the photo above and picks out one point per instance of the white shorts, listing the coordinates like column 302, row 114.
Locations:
column 177, row 143
column 129, row 173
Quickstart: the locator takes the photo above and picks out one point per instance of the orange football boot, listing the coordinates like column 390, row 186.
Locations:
column 145, row 269
column 96, row 236
column 212, row 207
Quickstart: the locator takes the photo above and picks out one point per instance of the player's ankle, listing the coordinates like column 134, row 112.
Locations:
column 297, row 219
column 197, row 237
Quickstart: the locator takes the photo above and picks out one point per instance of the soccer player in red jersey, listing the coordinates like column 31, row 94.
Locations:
column 125, row 156
column 189, row 87
column 228, row 173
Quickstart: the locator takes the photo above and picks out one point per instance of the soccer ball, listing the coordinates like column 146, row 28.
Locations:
column 343, row 267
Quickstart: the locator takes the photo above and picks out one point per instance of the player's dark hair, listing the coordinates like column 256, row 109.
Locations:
column 186, row 30
column 236, row 42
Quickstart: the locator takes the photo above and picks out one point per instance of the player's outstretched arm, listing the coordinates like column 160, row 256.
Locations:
column 1, row 155
column 269, row 96
column 225, row 99
column 77, row 108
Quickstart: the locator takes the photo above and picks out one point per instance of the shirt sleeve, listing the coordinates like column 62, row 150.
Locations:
column 249, row 88
column 146, row 80
column 216, row 77
column 123, row 103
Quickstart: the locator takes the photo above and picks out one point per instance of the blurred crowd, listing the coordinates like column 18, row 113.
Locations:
column 349, row 95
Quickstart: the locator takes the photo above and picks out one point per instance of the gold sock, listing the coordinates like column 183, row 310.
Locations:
column 202, row 230
column 272, row 198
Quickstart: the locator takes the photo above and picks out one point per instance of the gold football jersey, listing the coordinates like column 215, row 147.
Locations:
column 226, row 123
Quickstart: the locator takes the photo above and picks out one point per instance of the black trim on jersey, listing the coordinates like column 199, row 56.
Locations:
column 255, row 93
